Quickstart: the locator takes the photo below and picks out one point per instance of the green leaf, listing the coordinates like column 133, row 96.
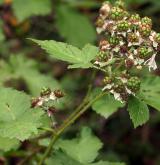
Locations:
column 74, row 27
column 84, row 3
column 1, row 2
column 17, row 119
column 7, row 144
column 138, row 111
column 2, row 36
column 60, row 158
column 31, row 7
column 37, row 81
column 106, row 106
column 21, row 67
column 84, row 148
column 108, row 163
column 62, row 51
column 150, row 89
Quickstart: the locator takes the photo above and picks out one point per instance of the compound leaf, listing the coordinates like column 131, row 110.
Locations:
column 62, row 51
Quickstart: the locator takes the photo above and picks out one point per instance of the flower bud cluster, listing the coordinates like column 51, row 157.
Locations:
column 128, row 42
column 46, row 96
column 127, row 37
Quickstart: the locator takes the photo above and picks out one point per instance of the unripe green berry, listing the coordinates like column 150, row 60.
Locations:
column 147, row 21
column 102, row 56
column 119, row 87
column 135, row 18
column 134, row 84
column 116, row 13
column 123, row 26
column 157, row 38
column 107, row 80
column 145, row 30
column 113, row 40
column 120, row 3
column 144, row 52
column 45, row 92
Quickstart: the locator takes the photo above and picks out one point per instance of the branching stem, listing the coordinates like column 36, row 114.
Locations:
column 70, row 120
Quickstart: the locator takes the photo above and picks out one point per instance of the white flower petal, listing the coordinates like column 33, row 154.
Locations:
column 151, row 63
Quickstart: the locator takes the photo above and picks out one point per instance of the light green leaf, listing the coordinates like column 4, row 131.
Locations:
column 107, row 163
column 17, row 119
column 7, row 144
column 150, row 89
column 62, row 51
column 1, row 2
column 106, row 106
column 37, row 81
column 2, row 37
column 31, row 7
column 84, row 148
column 60, row 158
column 138, row 111
column 74, row 27
column 84, row 3
column 21, row 67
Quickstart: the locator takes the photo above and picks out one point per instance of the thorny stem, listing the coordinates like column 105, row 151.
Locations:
column 72, row 118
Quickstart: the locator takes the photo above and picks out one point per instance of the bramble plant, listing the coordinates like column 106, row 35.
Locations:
column 128, row 47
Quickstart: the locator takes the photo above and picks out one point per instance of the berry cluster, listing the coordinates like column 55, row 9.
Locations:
column 45, row 97
column 130, row 42
column 126, row 36
column 122, row 87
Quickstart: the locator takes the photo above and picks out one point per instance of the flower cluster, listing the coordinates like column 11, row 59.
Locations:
column 122, row 87
column 128, row 41
column 45, row 97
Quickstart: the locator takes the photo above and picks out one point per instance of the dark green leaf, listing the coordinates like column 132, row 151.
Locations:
column 138, row 111
column 75, row 27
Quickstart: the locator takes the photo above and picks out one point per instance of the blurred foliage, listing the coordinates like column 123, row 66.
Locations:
column 27, row 68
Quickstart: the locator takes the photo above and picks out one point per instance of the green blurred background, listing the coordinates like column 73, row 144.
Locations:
column 26, row 67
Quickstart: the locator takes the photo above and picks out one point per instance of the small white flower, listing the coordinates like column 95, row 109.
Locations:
column 40, row 102
column 117, row 96
column 116, row 49
column 52, row 96
column 99, row 30
column 101, row 64
column 140, row 40
column 138, row 61
column 131, row 57
column 108, row 86
column 106, row 8
column 151, row 63
column 152, row 38
column 129, row 91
